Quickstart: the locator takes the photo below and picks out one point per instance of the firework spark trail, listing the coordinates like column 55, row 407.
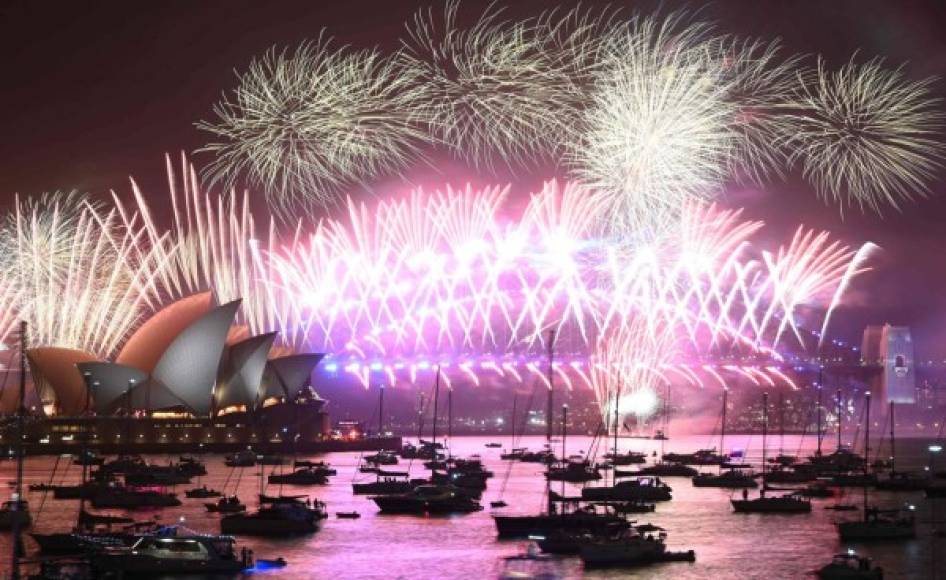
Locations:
column 444, row 273
column 73, row 273
column 626, row 366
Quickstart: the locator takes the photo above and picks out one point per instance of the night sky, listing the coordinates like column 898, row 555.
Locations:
column 95, row 92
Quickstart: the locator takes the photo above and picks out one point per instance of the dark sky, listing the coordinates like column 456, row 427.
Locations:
column 94, row 92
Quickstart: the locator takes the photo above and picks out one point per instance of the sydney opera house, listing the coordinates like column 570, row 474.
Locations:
column 186, row 379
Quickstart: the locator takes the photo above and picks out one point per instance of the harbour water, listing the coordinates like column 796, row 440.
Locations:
column 376, row 546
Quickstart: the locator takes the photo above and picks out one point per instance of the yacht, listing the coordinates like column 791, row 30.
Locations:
column 276, row 517
column 850, row 566
column 791, row 503
column 226, row 505
column 731, row 479
column 639, row 489
column 245, row 458
column 130, row 498
column 15, row 512
column 880, row 525
column 589, row 517
column 662, row 469
column 574, row 472
column 179, row 554
column 626, row 458
column 381, row 458
column 301, row 476
column 701, row 457
column 428, row 499
column 93, row 530
column 387, row 482
column 201, row 493
column 627, row 548
column 903, row 481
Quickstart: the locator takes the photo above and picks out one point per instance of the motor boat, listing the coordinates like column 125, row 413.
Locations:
column 880, row 525
column 593, row 517
column 15, row 512
column 731, row 479
column 130, row 498
column 791, row 503
column 639, row 489
column 202, row 492
column 226, row 505
column 574, row 472
column 662, row 469
column 301, row 476
column 850, row 566
column 627, row 458
column 428, row 499
column 245, row 458
column 180, row 554
column 276, row 517
column 387, row 482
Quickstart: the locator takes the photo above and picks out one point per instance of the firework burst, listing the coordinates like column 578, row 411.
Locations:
column 495, row 90
column 301, row 125
column 656, row 133
column 866, row 136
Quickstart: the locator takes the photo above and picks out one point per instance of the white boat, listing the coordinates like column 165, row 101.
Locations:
column 850, row 566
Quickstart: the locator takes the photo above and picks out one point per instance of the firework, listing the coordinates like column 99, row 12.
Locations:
column 303, row 124
column 73, row 273
column 656, row 133
column 495, row 90
column 866, row 136
column 442, row 277
column 626, row 368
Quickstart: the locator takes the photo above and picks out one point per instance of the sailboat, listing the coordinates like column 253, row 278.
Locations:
column 587, row 518
column 437, row 496
column 900, row 480
column 789, row 503
column 637, row 489
column 731, row 478
column 877, row 524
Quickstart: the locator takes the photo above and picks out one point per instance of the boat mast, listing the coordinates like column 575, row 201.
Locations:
column 617, row 397
column 781, row 424
column 839, row 419
column 765, row 430
column 818, row 433
column 663, row 440
column 564, row 432
column 436, row 399
column 866, row 450
column 420, row 419
column 893, row 442
column 548, row 411
column 381, row 410
column 449, row 420
column 512, row 431
column 85, row 443
column 17, row 543
column 722, row 429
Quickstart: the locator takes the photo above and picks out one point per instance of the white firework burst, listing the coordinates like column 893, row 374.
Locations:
column 760, row 83
column 495, row 90
column 866, row 136
column 302, row 125
column 657, row 132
